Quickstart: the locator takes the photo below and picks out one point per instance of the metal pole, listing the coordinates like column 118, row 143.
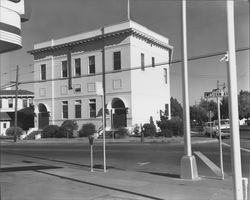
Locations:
column 16, row 99
column 219, row 129
column 188, row 162
column 233, row 104
column 91, row 158
column 103, row 135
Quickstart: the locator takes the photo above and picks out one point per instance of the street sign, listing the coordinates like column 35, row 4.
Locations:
column 215, row 93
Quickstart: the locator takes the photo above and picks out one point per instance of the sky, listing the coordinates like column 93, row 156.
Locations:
column 206, row 34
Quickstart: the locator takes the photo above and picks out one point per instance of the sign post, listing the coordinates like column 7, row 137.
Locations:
column 91, row 141
column 100, row 91
column 217, row 93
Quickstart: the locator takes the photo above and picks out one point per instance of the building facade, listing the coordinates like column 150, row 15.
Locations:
column 12, row 13
column 136, row 79
column 7, row 106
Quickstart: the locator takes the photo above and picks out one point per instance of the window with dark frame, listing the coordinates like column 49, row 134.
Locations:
column 153, row 61
column 25, row 103
column 117, row 60
column 64, row 69
column 43, row 72
column 78, row 109
column 78, row 67
column 142, row 62
column 166, row 75
column 4, row 125
column 92, row 108
column 167, row 110
column 31, row 103
column 91, row 64
column 10, row 103
column 0, row 103
column 65, row 110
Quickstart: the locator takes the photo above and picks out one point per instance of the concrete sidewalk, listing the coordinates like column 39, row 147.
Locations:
column 38, row 182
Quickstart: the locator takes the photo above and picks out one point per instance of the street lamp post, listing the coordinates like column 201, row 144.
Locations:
column 188, row 161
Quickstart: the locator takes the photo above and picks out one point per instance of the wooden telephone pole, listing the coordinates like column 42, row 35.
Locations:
column 16, row 95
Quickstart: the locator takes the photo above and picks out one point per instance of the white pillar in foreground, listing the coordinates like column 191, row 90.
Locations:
column 233, row 104
column 188, row 161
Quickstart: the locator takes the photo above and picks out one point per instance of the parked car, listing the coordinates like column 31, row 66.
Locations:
column 212, row 128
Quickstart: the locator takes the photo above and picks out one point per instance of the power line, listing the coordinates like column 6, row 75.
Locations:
column 136, row 68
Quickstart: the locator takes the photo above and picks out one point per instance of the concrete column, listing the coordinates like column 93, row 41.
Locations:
column 233, row 104
column 188, row 161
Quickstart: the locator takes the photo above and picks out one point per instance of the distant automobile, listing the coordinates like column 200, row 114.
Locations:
column 212, row 128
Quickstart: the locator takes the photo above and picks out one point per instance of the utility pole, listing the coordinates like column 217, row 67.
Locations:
column 103, row 102
column 188, row 161
column 128, row 9
column 16, row 95
column 233, row 104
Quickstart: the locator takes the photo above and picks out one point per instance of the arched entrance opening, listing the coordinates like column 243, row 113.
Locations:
column 119, row 113
column 43, row 116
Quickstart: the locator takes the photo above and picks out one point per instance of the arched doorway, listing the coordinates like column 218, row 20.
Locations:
column 119, row 113
column 43, row 116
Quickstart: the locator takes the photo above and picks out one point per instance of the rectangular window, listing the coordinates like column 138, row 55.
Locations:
column 10, row 102
column 65, row 111
column 166, row 75
column 31, row 103
column 166, row 110
column 78, row 67
column 91, row 64
column 4, row 125
column 0, row 103
column 43, row 72
column 78, row 109
column 92, row 108
column 142, row 62
column 25, row 103
column 64, row 69
column 117, row 60
column 153, row 61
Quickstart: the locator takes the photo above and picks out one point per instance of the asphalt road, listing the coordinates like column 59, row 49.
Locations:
column 159, row 159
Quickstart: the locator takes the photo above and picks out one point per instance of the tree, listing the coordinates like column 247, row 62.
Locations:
column 68, row 128
column 244, row 104
column 198, row 115
column 87, row 130
column 176, row 108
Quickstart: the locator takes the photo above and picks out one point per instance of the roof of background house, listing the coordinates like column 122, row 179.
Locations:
column 4, row 116
column 13, row 92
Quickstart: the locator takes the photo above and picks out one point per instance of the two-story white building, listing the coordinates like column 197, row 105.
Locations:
column 7, row 106
column 136, row 64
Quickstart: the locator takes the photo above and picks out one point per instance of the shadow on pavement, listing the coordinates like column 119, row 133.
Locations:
column 162, row 174
column 102, row 186
column 27, row 168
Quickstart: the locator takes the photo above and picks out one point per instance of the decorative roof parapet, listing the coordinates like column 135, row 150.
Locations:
column 128, row 27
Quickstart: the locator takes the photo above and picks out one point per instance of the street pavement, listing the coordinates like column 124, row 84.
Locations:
column 36, row 179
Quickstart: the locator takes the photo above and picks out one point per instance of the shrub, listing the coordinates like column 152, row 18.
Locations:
column 10, row 131
column 149, row 130
column 50, row 131
column 171, row 127
column 137, row 130
column 87, row 130
column 121, row 132
column 68, row 128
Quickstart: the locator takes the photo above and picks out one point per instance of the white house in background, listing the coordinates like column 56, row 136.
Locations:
column 136, row 79
column 7, row 106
